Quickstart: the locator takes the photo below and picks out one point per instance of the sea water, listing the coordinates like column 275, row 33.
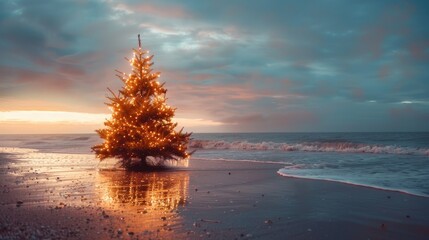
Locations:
column 393, row 161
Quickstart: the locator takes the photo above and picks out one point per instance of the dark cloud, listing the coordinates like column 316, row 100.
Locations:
column 276, row 65
column 288, row 121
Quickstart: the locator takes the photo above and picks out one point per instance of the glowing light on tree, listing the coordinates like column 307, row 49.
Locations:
column 140, row 131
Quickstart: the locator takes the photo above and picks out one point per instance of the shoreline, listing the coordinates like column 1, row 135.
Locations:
column 109, row 166
column 357, row 185
column 319, row 179
column 208, row 200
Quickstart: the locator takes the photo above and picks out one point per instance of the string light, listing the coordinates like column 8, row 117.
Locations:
column 141, row 125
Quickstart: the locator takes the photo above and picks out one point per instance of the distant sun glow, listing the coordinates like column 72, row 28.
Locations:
column 70, row 122
column 52, row 117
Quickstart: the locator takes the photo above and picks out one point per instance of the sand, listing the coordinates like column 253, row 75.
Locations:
column 209, row 200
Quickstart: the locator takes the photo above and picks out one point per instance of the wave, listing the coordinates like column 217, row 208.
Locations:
column 16, row 150
column 285, row 171
column 241, row 160
column 81, row 139
column 346, row 147
column 414, row 193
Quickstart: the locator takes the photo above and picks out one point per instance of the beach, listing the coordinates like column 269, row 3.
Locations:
column 72, row 196
column 271, row 120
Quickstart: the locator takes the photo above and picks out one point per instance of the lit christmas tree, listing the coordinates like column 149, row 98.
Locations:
column 140, row 132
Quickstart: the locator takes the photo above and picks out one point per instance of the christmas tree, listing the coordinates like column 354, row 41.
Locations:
column 140, row 132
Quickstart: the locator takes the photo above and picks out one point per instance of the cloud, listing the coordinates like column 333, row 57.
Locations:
column 410, row 118
column 272, row 62
column 290, row 121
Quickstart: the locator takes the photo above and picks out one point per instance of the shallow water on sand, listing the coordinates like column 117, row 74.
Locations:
column 59, row 196
column 395, row 161
column 129, row 201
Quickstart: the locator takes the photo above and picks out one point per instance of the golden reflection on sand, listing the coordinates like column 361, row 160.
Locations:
column 149, row 199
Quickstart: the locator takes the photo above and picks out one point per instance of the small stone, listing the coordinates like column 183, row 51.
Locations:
column 130, row 233
column 104, row 214
column 163, row 218
column 119, row 231
column 268, row 222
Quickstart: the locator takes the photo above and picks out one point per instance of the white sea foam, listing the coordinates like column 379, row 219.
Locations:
column 242, row 160
column 347, row 147
column 302, row 170
column 281, row 172
column 396, row 161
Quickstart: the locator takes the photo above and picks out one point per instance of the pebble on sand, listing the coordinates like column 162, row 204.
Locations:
column 269, row 221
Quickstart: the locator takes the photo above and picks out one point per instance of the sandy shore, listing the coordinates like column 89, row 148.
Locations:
column 47, row 197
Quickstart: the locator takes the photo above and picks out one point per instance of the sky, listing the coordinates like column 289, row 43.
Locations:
column 229, row 66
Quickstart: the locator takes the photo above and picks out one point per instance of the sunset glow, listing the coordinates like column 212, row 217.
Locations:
column 247, row 119
column 73, row 122
column 52, row 117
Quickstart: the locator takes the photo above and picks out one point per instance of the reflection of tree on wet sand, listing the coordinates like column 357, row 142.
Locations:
column 148, row 200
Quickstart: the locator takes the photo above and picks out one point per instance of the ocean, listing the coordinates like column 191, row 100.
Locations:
column 390, row 161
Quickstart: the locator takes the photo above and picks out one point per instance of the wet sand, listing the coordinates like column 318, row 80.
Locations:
column 59, row 196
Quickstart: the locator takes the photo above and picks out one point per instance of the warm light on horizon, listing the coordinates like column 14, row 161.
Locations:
column 72, row 122
column 52, row 117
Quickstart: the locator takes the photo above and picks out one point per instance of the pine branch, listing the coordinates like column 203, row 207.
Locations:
column 112, row 93
column 141, row 125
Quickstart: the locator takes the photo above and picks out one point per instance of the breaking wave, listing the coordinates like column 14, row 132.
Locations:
column 346, row 147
